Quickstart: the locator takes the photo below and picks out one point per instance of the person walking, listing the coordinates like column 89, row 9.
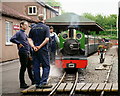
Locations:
column 53, row 45
column 38, row 39
column 102, row 52
column 20, row 38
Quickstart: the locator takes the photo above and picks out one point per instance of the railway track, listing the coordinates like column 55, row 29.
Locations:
column 66, row 78
column 71, row 85
column 107, row 78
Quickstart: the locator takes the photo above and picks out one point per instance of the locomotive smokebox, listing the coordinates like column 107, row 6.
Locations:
column 71, row 45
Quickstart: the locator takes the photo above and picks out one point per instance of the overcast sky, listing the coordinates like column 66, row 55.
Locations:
column 104, row 7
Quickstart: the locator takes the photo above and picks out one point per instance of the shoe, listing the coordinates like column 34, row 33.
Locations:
column 47, row 85
column 44, row 86
column 33, row 83
column 24, row 86
column 37, row 85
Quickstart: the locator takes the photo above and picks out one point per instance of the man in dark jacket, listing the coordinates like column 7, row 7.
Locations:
column 38, row 38
column 20, row 38
column 53, row 44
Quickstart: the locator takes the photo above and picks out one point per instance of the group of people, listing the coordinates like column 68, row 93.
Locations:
column 36, row 50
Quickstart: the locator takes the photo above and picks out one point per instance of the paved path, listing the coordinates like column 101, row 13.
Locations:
column 9, row 73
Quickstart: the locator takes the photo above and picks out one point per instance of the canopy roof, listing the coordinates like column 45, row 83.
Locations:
column 74, row 19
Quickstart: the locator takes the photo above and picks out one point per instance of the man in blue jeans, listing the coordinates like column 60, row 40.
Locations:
column 38, row 39
column 20, row 38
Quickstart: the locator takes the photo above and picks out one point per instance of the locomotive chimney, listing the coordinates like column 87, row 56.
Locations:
column 71, row 31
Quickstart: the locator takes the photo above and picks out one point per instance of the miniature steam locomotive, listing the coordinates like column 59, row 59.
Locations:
column 74, row 48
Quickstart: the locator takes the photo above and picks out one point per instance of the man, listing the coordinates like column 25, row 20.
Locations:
column 101, row 52
column 38, row 39
column 54, row 40
column 20, row 38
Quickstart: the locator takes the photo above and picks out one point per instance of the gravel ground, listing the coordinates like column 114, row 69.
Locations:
column 55, row 74
column 99, row 76
column 114, row 73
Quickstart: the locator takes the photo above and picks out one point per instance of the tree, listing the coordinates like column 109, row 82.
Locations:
column 89, row 16
column 99, row 19
column 107, row 22
column 112, row 20
column 53, row 2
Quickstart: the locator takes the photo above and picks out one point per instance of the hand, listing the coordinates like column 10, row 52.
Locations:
column 38, row 47
column 35, row 49
column 20, row 45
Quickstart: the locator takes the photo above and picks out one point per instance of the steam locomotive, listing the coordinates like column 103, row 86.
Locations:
column 74, row 48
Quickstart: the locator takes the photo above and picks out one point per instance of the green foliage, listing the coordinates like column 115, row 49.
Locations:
column 110, row 37
column 107, row 22
column 89, row 16
column 92, row 33
column 108, row 33
column 53, row 2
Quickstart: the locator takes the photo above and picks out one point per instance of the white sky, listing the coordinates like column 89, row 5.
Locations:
column 104, row 7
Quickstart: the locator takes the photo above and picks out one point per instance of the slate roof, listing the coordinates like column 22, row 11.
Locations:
column 7, row 11
column 74, row 19
column 69, row 17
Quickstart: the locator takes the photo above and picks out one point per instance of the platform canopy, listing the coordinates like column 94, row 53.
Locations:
column 67, row 19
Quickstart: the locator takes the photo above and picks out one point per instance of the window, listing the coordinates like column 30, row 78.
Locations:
column 9, row 29
column 79, row 36
column 65, row 36
column 32, row 10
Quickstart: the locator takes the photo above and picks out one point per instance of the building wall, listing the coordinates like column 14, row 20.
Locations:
column 9, row 52
column 0, row 39
column 48, row 13
column 22, row 7
column 58, row 8
column 53, row 15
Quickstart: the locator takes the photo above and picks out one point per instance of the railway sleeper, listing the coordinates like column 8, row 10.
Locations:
column 81, row 87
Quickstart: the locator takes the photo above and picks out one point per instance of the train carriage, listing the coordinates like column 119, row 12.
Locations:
column 92, row 43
